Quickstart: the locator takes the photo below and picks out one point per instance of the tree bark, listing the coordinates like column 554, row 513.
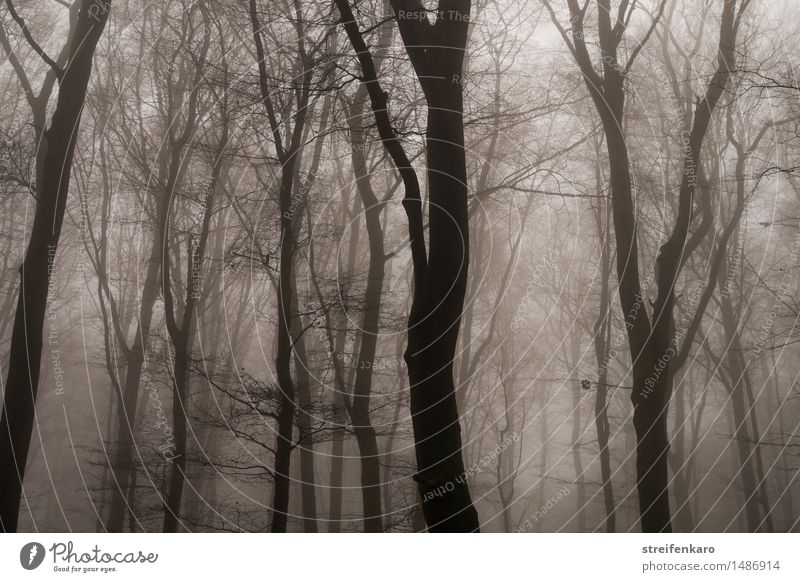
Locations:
column 602, row 340
column 362, row 389
column 288, row 156
column 308, row 495
column 650, row 339
column 440, row 273
column 36, row 272
column 123, row 464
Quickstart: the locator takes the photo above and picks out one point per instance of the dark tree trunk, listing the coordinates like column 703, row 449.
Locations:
column 286, row 405
column 680, row 482
column 36, row 271
column 181, row 322
column 440, row 273
column 177, row 465
column 602, row 340
column 302, row 374
column 649, row 394
column 287, row 148
column 339, row 414
column 362, row 390
column 305, row 442
column 439, row 291
column 651, row 341
column 122, row 461
column 577, row 422
column 435, row 318
column 738, row 378
column 339, row 402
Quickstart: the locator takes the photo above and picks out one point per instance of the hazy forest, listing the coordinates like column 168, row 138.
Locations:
column 400, row 265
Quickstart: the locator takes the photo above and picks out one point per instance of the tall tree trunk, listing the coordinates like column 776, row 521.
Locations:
column 177, row 465
column 440, row 272
column 339, row 418
column 677, row 457
column 787, row 476
column 339, row 402
column 302, row 373
column 651, row 341
column 436, row 312
column 761, row 484
column 741, row 421
column 36, row 272
column 388, row 453
column 362, row 390
column 308, row 495
column 284, row 439
column 122, row 461
column 683, row 513
column 181, row 324
column 287, row 149
column 601, row 340
column 577, row 429
column 649, row 391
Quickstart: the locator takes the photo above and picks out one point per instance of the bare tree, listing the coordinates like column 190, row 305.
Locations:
column 650, row 336
column 58, row 143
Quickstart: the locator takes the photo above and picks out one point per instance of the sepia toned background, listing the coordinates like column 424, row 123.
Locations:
column 395, row 266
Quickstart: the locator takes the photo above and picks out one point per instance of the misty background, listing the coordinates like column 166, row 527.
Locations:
column 227, row 306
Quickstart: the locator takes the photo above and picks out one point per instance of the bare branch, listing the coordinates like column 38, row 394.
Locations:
column 32, row 42
column 637, row 49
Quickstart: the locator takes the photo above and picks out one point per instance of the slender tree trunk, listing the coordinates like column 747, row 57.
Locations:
column 126, row 411
column 683, row 514
column 362, row 392
column 340, row 391
column 544, row 436
column 308, row 495
column 577, row 428
column 286, row 406
column 106, row 477
column 761, row 476
column 741, row 425
column 177, row 465
column 388, row 454
column 651, row 341
column 181, row 326
column 601, row 340
column 302, row 373
column 787, row 475
column 287, row 148
column 337, row 437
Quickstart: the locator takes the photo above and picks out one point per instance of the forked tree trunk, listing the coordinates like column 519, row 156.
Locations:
column 180, row 323
column 287, row 148
column 651, row 340
column 36, row 272
column 440, row 272
column 122, row 460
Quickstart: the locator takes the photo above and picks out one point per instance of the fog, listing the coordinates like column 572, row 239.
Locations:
column 399, row 266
